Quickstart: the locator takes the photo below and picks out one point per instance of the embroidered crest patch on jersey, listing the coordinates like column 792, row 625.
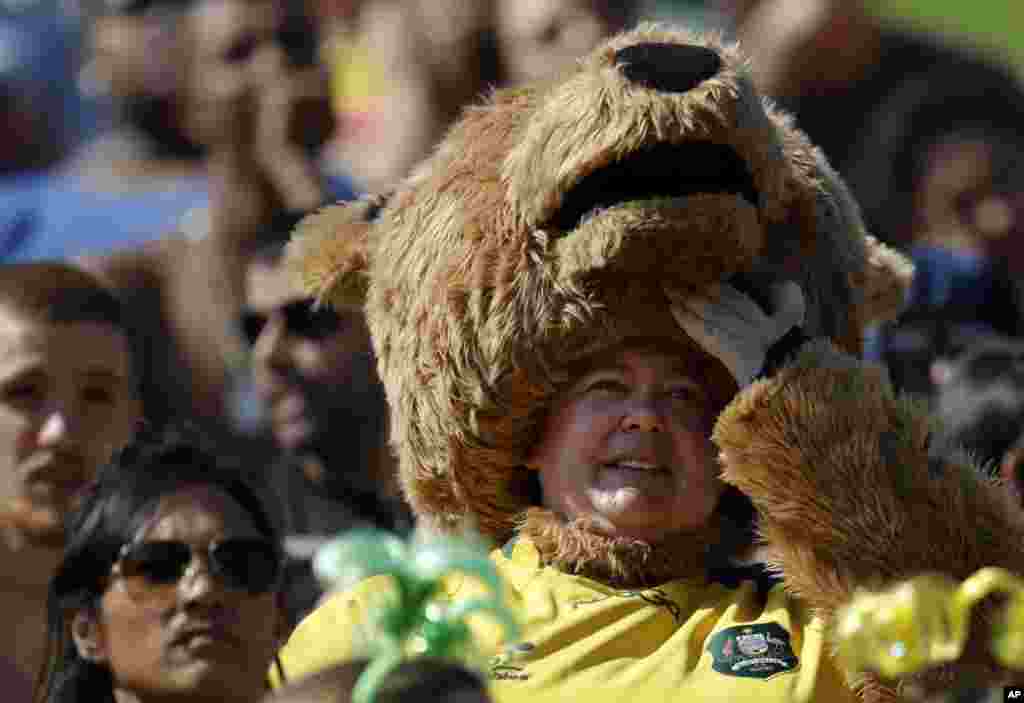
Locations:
column 759, row 651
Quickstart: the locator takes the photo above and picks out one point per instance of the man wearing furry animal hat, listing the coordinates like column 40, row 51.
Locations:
column 571, row 303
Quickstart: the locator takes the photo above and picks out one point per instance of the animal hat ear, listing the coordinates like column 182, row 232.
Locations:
column 329, row 251
column 887, row 277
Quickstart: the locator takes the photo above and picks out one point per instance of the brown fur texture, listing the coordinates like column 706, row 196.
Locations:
column 335, row 266
column 481, row 294
column 477, row 302
column 627, row 563
column 478, row 296
column 848, row 497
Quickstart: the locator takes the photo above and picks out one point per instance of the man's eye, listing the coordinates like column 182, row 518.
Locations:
column 551, row 33
column 606, row 385
column 687, row 395
column 98, row 394
column 22, row 393
column 241, row 51
column 683, row 393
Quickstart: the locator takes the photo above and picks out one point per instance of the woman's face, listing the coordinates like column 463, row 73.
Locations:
column 198, row 636
column 627, row 447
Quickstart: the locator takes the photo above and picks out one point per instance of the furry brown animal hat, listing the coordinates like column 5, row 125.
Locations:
column 547, row 227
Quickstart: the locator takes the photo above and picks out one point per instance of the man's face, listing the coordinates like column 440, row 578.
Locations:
column 626, row 446
column 137, row 47
column 254, row 74
column 67, row 402
column 306, row 364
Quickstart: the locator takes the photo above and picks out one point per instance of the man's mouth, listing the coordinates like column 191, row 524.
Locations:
column 54, row 491
column 640, row 466
column 202, row 637
column 41, row 523
column 57, row 488
column 64, row 469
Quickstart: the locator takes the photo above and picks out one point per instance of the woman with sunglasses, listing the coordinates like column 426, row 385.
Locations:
column 169, row 586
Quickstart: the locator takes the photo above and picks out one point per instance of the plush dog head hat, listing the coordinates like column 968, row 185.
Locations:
column 547, row 227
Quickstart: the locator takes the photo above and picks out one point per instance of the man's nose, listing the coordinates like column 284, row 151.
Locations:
column 671, row 68
column 199, row 585
column 269, row 62
column 57, row 427
column 642, row 415
column 271, row 347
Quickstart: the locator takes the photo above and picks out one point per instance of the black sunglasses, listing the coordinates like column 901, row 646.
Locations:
column 250, row 564
column 301, row 318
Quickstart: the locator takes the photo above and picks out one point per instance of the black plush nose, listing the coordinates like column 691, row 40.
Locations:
column 673, row 68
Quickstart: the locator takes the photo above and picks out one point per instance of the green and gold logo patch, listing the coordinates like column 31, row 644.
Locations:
column 757, row 651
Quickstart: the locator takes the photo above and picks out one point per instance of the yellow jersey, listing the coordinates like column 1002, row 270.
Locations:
column 686, row 640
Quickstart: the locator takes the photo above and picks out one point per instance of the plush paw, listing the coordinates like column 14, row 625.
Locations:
column 824, row 434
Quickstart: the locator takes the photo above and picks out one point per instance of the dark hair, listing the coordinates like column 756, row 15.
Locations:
column 114, row 507
column 417, row 679
column 58, row 293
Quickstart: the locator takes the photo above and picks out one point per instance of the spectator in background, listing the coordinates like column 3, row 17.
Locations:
column 538, row 38
column 140, row 170
column 980, row 402
column 927, row 136
column 257, row 99
column 146, row 165
column 37, row 59
column 168, row 589
column 315, row 371
column 403, row 71
column 889, row 106
column 969, row 280
column 67, row 401
column 38, row 53
column 419, row 679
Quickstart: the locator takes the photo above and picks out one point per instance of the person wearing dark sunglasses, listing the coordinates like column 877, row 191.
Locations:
column 169, row 588
column 247, row 84
column 313, row 373
column 310, row 363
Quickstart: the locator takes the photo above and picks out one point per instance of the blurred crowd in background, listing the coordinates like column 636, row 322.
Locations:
column 168, row 147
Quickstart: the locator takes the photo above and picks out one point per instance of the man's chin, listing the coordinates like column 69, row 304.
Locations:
column 633, row 515
column 51, row 537
column 32, row 525
column 630, row 528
